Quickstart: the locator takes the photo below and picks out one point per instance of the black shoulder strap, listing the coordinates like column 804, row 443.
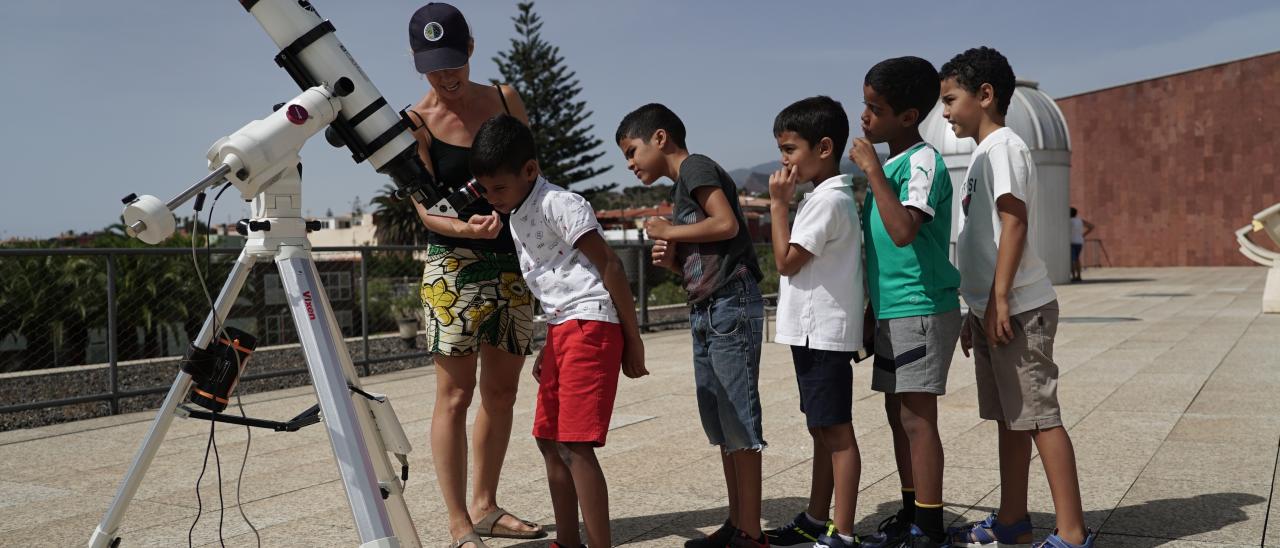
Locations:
column 422, row 123
column 498, row 87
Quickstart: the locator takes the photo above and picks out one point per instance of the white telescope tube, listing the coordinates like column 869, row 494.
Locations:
column 312, row 55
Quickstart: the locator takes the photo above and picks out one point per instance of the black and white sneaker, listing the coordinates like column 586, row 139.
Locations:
column 799, row 533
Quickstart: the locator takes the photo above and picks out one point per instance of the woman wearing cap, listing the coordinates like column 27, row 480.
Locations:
column 476, row 302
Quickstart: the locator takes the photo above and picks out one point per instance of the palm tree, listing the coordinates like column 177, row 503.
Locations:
column 395, row 220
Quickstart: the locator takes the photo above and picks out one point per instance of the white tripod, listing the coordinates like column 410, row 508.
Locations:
column 261, row 160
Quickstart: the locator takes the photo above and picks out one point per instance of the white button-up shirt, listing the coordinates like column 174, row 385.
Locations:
column 545, row 228
column 822, row 305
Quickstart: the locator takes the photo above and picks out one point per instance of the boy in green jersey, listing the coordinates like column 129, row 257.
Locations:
column 913, row 286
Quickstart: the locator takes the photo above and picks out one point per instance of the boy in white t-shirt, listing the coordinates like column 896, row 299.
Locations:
column 1013, row 310
column 1080, row 228
column 820, row 304
column 591, row 321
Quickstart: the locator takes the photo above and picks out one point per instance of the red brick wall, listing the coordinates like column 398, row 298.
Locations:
column 1169, row 168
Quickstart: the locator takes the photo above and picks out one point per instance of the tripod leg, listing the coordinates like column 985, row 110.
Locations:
column 106, row 531
column 349, row 423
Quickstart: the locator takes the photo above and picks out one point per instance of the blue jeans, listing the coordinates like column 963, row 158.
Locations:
column 727, row 331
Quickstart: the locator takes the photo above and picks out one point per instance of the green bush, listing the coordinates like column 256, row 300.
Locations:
column 769, row 283
column 668, row 292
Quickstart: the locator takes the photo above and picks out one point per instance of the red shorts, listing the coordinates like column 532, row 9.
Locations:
column 579, row 380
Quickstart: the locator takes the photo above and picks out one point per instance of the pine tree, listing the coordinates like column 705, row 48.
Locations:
column 535, row 68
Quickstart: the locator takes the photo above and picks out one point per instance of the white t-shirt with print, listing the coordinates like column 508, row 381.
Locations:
column 545, row 228
column 1000, row 165
column 821, row 306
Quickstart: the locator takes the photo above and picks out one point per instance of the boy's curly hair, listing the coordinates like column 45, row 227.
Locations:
column 983, row 65
column 906, row 83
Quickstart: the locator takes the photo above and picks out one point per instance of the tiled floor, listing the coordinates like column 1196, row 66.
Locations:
column 1169, row 383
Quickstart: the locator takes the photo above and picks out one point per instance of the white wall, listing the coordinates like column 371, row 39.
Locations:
column 356, row 235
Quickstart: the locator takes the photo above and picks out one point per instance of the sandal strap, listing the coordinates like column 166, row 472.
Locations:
column 990, row 530
column 469, row 538
column 489, row 520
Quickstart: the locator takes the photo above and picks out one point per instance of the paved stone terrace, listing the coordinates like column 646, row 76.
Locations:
column 1169, row 383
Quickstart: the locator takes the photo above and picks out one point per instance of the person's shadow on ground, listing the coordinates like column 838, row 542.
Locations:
column 1161, row 519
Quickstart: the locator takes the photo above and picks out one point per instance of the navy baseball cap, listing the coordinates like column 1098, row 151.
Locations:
column 439, row 36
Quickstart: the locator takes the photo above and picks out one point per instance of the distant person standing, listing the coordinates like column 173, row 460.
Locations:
column 1079, row 229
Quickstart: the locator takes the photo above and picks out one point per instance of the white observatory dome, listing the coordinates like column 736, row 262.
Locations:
column 1035, row 117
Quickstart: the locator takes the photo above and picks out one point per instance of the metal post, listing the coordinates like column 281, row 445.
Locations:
column 364, row 305
column 112, row 348
column 642, row 286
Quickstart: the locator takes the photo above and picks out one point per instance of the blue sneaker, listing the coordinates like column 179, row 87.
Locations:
column 799, row 533
column 890, row 532
column 1055, row 541
column 917, row 539
column 990, row 533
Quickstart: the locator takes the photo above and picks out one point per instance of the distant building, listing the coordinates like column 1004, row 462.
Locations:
column 627, row 225
column 345, row 230
column 1168, row 168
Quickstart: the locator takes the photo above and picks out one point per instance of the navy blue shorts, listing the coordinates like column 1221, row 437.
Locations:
column 1075, row 251
column 825, row 378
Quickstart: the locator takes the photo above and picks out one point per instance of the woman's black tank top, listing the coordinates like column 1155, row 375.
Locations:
column 452, row 169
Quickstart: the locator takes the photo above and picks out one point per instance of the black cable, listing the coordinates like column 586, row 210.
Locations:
column 199, row 503
column 248, row 441
column 222, row 505
column 216, row 329
column 208, row 267
column 208, row 232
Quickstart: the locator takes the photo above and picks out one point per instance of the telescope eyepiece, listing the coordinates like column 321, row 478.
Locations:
column 343, row 87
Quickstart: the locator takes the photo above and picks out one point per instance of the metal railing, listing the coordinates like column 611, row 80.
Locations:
column 95, row 313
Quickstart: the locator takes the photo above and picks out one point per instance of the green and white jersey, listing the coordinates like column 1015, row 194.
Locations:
column 917, row 279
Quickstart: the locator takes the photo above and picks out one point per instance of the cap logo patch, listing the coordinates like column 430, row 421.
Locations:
column 433, row 31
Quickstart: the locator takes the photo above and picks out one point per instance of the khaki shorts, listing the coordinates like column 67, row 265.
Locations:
column 1018, row 381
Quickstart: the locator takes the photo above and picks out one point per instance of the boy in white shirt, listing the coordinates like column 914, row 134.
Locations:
column 591, row 321
column 820, row 306
column 1013, row 309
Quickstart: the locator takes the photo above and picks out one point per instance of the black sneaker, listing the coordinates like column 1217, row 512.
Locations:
column 891, row 532
column 717, row 539
column 741, row 540
column 797, row 534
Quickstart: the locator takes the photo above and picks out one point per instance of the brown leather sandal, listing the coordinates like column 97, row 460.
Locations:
column 489, row 527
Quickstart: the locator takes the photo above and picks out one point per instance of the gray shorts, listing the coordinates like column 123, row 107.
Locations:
column 913, row 354
column 1018, row 382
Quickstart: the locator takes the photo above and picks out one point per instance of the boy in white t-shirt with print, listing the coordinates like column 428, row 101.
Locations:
column 1013, row 309
column 591, row 322
column 820, row 304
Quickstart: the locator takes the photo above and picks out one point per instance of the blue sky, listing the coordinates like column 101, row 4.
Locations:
column 107, row 98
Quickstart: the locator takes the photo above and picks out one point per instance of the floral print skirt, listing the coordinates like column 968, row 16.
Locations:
column 472, row 297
